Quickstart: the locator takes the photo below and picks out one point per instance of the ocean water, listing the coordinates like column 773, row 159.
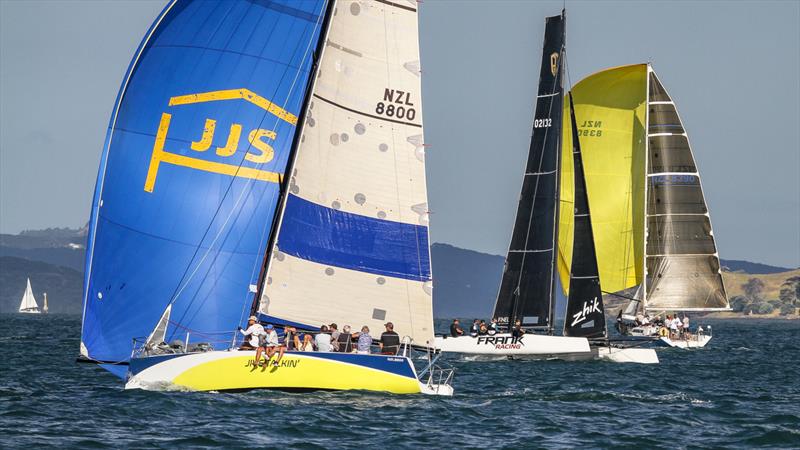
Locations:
column 743, row 390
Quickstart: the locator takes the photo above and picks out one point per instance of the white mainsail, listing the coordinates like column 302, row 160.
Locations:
column 358, row 186
column 28, row 303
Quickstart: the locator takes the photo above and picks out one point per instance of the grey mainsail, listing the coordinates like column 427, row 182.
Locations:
column 682, row 264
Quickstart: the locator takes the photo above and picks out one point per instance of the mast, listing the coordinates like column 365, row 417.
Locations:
column 646, row 183
column 285, row 181
column 528, row 286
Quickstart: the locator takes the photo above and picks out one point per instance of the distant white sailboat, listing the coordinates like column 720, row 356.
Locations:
column 45, row 308
column 28, row 304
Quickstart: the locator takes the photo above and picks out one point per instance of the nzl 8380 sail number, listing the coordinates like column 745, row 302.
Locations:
column 542, row 123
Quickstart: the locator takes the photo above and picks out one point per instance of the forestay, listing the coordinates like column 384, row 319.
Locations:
column 527, row 288
column 352, row 246
column 189, row 176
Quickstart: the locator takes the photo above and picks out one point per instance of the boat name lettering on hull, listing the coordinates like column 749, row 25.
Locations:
column 501, row 342
column 285, row 363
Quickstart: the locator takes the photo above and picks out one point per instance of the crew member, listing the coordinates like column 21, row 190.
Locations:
column 390, row 340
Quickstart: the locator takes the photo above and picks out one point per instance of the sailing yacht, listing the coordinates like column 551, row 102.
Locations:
column 528, row 288
column 652, row 223
column 28, row 303
column 264, row 159
column 527, row 291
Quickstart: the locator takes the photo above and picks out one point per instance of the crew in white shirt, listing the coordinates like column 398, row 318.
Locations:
column 323, row 340
column 254, row 330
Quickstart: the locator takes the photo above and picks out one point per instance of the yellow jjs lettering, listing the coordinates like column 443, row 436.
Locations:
column 233, row 141
column 266, row 153
column 208, row 134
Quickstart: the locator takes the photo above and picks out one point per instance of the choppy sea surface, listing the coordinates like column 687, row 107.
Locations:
column 743, row 390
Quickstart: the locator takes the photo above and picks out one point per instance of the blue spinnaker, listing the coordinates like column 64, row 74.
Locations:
column 189, row 177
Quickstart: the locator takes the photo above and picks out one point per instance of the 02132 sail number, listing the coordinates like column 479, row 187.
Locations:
column 396, row 104
column 542, row 123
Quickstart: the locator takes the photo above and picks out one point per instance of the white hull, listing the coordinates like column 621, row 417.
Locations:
column 30, row 311
column 503, row 344
column 626, row 355
column 696, row 341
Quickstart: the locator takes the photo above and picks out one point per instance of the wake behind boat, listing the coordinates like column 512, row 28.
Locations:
column 264, row 159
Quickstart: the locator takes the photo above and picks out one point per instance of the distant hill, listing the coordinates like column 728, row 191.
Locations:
column 465, row 281
column 58, row 246
column 733, row 265
column 64, row 286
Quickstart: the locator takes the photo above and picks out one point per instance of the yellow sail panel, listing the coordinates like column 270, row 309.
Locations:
column 610, row 108
column 566, row 206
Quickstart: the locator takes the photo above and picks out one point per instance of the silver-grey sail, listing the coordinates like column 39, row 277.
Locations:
column 682, row 264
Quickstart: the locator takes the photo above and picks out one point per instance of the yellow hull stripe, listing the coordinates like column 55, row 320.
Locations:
column 295, row 372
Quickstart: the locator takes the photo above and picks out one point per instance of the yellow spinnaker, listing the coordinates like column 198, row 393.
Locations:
column 610, row 109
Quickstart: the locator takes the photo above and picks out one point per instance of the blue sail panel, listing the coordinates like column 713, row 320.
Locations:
column 352, row 241
column 190, row 173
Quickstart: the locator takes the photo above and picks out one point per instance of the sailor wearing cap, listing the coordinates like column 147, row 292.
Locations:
column 270, row 345
column 254, row 330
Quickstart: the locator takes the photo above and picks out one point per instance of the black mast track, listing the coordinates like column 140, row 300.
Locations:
column 585, row 312
column 528, row 286
column 298, row 132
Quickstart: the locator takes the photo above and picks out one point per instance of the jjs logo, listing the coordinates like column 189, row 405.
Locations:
column 259, row 151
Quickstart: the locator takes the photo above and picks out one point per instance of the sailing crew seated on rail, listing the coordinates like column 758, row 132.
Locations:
column 517, row 330
column 483, row 330
column 322, row 341
column 455, row 329
column 345, row 341
column 476, row 326
column 293, row 338
column 390, row 340
column 254, row 330
column 364, row 340
column 493, row 327
column 269, row 344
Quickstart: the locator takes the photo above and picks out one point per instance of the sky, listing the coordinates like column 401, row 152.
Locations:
column 733, row 69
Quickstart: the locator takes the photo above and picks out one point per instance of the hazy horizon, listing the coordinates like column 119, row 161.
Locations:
column 733, row 70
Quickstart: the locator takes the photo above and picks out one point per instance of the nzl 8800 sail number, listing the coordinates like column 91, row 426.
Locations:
column 396, row 104
column 542, row 123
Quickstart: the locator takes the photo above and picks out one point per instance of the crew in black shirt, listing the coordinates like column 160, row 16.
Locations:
column 390, row 341
column 517, row 331
column 455, row 329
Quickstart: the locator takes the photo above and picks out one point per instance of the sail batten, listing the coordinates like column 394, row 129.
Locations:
column 527, row 288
